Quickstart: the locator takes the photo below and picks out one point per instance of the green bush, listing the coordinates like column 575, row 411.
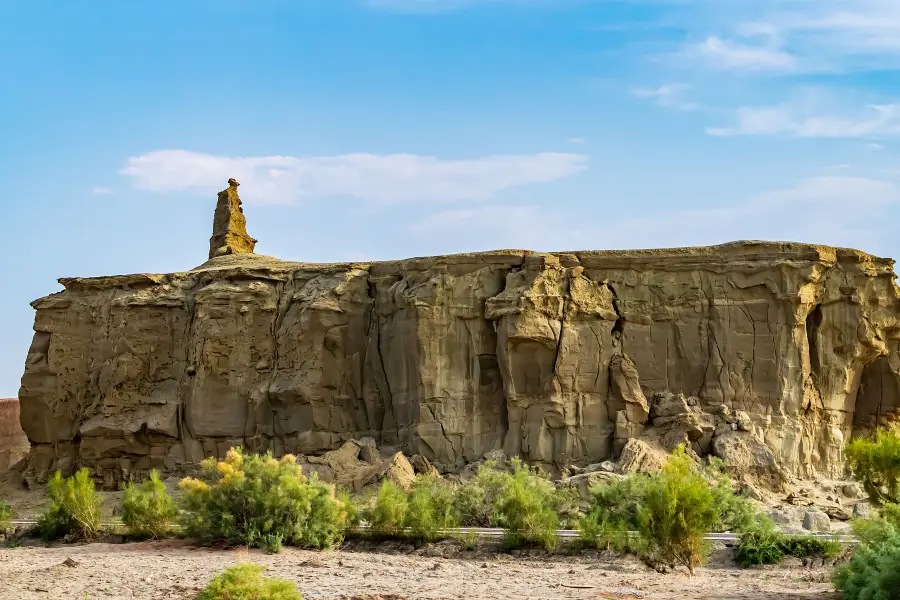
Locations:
column 429, row 508
column 471, row 506
column 252, row 500
column 387, row 515
column 75, row 508
column 763, row 544
column 245, row 582
column 419, row 513
column 613, row 513
column 525, row 503
column 148, row 510
column 875, row 461
column 5, row 516
column 677, row 511
column 736, row 513
column 873, row 572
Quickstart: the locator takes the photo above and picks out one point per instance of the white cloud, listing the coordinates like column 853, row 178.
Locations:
column 874, row 146
column 101, row 190
column 377, row 178
column 577, row 140
column 806, row 122
column 815, row 210
column 668, row 96
column 728, row 55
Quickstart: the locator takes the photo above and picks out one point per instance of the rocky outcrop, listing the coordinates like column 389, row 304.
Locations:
column 13, row 442
column 229, row 225
column 560, row 358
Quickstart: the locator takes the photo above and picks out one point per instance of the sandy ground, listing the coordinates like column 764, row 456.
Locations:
column 178, row 570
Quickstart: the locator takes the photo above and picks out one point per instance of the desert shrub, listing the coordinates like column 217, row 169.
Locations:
column 763, row 544
column 736, row 513
column 875, row 461
column 525, row 503
column 148, row 510
column 5, row 516
column 471, row 506
column 253, row 499
column 419, row 513
column 75, row 509
column 676, row 512
column 387, row 515
column 873, row 572
column 429, row 508
column 613, row 513
column 245, row 582
column 760, row 544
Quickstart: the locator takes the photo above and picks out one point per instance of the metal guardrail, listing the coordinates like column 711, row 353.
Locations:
column 496, row 532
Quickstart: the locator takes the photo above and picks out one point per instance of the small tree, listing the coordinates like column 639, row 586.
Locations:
column 875, row 461
column 147, row 509
column 75, row 508
column 874, row 571
column 677, row 511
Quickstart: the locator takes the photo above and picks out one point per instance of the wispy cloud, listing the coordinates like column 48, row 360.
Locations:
column 729, row 55
column 814, row 210
column 101, row 191
column 577, row 140
column 377, row 178
column 668, row 96
column 800, row 121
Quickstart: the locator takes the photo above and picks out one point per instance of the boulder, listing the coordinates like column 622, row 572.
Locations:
column 816, row 521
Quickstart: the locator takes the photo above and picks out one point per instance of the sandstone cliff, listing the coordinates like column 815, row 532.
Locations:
column 778, row 350
column 13, row 443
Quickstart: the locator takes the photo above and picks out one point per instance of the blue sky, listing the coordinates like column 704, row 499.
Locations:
column 375, row 129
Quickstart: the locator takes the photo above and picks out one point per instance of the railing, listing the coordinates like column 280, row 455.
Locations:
column 495, row 532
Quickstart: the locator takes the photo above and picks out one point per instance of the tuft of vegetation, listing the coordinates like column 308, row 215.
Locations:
column 259, row 501
column 736, row 513
column 875, row 461
column 420, row 513
column 75, row 508
column 873, row 572
column 148, row 510
column 387, row 515
column 6, row 516
column 763, row 544
column 246, row 582
column 526, row 506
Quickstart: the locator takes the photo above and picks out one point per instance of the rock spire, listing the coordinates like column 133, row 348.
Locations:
column 229, row 225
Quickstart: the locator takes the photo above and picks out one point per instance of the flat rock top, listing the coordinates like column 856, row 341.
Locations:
column 722, row 254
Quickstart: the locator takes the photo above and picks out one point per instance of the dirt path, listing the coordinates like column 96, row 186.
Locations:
column 177, row 570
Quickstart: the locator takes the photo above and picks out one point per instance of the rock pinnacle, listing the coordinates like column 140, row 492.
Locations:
column 229, row 225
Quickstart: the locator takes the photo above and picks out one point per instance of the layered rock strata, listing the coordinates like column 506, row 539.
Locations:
column 774, row 351
column 14, row 444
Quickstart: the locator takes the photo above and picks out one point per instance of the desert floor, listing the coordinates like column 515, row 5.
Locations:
column 361, row 570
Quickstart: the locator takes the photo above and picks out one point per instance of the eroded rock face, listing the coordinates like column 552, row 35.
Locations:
column 560, row 358
column 229, row 225
column 13, row 442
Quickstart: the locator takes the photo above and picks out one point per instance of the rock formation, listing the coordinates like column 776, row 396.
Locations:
column 769, row 353
column 229, row 225
column 13, row 442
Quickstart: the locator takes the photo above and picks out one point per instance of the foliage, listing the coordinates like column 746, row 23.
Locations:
column 245, row 582
column 525, row 503
column 429, row 508
column 677, row 511
column 255, row 500
column 874, row 571
column 736, row 513
column 875, row 461
column 148, row 510
column 5, row 516
column 419, row 513
column 763, row 544
column 613, row 513
column 75, row 508
column 387, row 515
column 760, row 545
